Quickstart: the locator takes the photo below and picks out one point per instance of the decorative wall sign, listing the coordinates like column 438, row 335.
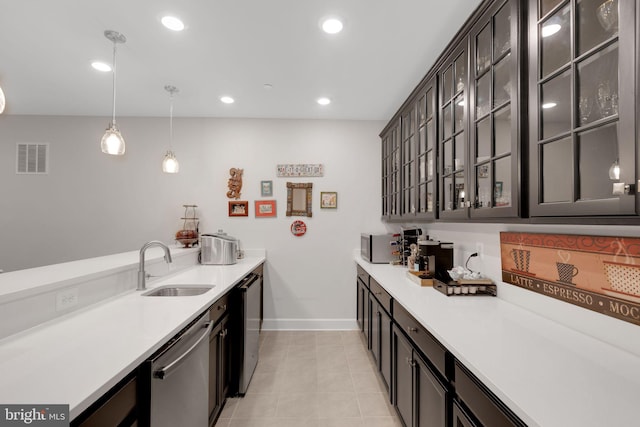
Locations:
column 298, row 228
column 300, row 170
column 265, row 208
column 238, row 208
column 328, row 199
column 235, row 183
column 599, row 273
column 266, row 188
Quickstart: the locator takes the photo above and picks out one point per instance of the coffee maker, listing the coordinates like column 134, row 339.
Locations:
column 409, row 236
column 439, row 256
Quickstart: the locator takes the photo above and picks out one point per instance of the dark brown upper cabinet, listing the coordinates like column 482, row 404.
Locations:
column 582, row 109
column 391, row 170
column 495, row 134
column 426, row 151
column 453, row 135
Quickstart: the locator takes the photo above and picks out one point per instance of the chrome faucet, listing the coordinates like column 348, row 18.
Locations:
column 142, row 278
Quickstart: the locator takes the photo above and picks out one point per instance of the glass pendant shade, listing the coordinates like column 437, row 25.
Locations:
column 170, row 163
column 614, row 171
column 2, row 101
column 112, row 141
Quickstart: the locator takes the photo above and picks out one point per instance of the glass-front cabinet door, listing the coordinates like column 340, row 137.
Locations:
column 453, row 135
column 408, row 164
column 494, row 131
column 582, row 109
column 391, row 170
column 426, row 151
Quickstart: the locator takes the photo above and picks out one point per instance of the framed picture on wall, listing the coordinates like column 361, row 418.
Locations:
column 238, row 208
column 328, row 200
column 266, row 188
column 265, row 208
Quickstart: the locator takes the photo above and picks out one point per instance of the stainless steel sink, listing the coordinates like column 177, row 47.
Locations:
column 178, row 291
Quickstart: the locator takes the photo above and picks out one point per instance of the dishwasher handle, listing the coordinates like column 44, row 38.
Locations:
column 167, row 370
column 249, row 280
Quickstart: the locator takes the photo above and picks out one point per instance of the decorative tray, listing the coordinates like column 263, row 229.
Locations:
column 422, row 278
column 467, row 287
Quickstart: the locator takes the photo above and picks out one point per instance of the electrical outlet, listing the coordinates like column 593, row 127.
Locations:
column 66, row 299
column 480, row 249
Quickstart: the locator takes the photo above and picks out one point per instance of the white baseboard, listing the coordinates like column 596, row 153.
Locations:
column 309, row 325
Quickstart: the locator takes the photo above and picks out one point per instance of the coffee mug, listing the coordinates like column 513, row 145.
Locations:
column 521, row 257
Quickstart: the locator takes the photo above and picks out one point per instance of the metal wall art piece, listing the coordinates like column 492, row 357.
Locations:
column 300, row 170
column 599, row 273
column 235, row 183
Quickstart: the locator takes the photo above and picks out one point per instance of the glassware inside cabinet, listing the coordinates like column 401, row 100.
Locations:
column 597, row 22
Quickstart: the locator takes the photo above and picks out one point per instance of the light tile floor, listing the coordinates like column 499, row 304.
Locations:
column 312, row 379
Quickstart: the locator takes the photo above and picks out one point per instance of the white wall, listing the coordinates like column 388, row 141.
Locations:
column 465, row 238
column 92, row 204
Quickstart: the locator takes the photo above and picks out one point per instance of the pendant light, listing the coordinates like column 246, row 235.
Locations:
column 170, row 163
column 112, row 141
column 3, row 101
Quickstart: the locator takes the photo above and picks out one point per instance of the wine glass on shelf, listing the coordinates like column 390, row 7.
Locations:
column 604, row 98
column 585, row 106
column 608, row 15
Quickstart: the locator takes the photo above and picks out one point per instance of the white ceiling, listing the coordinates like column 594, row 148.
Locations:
column 229, row 47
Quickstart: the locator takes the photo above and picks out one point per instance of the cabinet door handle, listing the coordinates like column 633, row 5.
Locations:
column 409, row 361
column 223, row 333
column 222, row 307
column 377, row 293
column 410, row 329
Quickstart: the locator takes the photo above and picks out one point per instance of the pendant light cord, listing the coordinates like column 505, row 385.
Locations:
column 113, row 120
column 171, row 121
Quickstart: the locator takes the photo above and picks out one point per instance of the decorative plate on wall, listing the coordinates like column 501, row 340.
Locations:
column 298, row 228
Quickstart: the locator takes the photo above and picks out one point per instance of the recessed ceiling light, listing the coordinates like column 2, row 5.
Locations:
column 227, row 99
column 172, row 23
column 548, row 105
column 267, row 86
column 323, row 101
column 550, row 29
column 332, row 26
column 101, row 66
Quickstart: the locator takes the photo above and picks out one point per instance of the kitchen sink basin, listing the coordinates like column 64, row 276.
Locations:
column 178, row 291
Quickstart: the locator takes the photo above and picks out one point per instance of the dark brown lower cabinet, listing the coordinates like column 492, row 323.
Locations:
column 219, row 369
column 478, row 406
column 361, row 297
column 118, row 407
column 380, row 333
column 419, row 396
column 363, row 291
column 460, row 417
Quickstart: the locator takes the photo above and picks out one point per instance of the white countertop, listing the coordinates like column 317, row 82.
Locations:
column 77, row 358
column 549, row 375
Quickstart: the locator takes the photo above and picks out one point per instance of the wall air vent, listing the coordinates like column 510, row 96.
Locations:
column 32, row 158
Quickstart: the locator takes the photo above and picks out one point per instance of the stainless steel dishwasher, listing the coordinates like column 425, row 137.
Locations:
column 250, row 293
column 179, row 389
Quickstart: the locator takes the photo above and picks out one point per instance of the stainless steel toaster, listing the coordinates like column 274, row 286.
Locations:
column 218, row 249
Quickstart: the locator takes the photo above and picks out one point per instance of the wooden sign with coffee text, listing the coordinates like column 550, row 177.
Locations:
column 600, row 273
